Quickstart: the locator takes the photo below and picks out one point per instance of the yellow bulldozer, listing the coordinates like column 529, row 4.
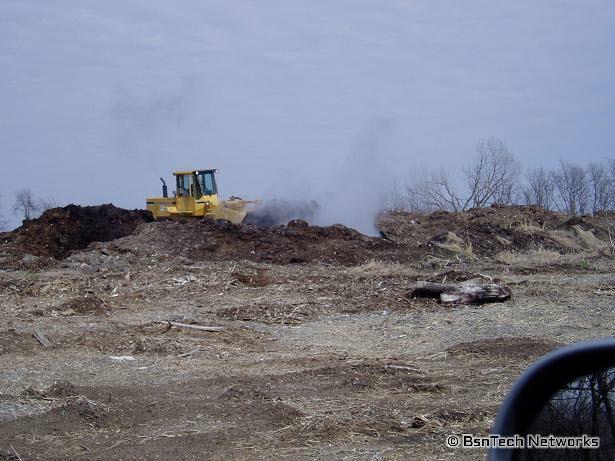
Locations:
column 196, row 195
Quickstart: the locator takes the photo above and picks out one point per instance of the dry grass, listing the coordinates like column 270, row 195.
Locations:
column 592, row 243
column 611, row 242
column 541, row 257
column 457, row 246
column 529, row 227
column 580, row 240
column 381, row 269
column 258, row 279
column 564, row 239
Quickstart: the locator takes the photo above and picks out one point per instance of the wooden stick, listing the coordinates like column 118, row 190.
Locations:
column 194, row 327
column 186, row 354
column 15, row 451
column 40, row 337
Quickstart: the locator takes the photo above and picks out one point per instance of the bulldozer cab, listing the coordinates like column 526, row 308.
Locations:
column 193, row 185
column 196, row 184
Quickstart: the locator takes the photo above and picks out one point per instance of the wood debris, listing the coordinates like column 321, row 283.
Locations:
column 193, row 327
column 40, row 337
column 468, row 292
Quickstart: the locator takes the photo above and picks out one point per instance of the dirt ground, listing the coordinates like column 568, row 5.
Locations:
column 322, row 353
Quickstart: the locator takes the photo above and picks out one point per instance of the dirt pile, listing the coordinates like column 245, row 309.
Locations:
column 406, row 236
column 92, row 412
column 523, row 348
column 61, row 230
column 84, row 305
column 488, row 231
column 206, row 240
column 60, row 389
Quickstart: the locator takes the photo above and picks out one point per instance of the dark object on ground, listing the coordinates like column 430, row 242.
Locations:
column 567, row 393
column 468, row 292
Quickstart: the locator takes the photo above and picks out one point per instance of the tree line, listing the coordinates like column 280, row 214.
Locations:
column 494, row 175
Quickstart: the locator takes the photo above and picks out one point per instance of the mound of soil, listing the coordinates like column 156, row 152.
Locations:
column 92, row 412
column 60, row 230
column 145, row 345
column 487, row 231
column 518, row 348
column 61, row 389
column 407, row 237
column 258, row 279
column 586, row 223
column 85, row 305
column 208, row 240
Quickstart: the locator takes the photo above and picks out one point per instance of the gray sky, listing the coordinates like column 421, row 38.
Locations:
column 294, row 97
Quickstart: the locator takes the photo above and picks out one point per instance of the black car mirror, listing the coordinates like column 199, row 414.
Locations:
column 562, row 407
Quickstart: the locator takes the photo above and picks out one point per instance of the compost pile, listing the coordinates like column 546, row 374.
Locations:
column 296, row 242
column 59, row 231
column 405, row 237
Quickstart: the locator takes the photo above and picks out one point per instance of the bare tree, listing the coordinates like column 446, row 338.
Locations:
column 28, row 207
column 25, row 204
column 540, row 188
column 572, row 188
column 493, row 176
column 434, row 191
column 611, row 173
column 395, row 198
column 600, row 187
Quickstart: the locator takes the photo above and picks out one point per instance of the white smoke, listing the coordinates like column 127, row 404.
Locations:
column 353, row 194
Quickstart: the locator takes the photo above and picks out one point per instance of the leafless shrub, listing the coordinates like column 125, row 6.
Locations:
column 493, row 176
column 434, row 191
column 28, row 207
column 572, row 187
column 540, row 188
column 600, row 187
column 25, row 204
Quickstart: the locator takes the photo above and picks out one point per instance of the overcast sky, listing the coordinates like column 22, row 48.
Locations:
column 297, row 97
